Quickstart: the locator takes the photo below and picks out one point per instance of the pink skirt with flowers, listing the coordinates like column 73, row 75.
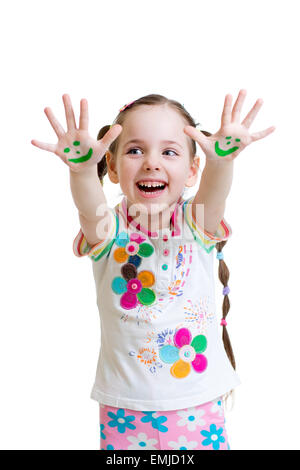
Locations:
column 198, row 428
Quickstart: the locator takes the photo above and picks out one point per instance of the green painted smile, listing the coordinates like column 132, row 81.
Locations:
column 223, row 153
column 84, row 158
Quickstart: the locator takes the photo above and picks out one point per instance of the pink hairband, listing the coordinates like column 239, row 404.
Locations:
column 122, row 109
column 126, row 106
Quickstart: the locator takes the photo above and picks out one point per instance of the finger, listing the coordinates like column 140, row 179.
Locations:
column 84, row 115
column 43, row 145
column 236, row 111
column 58, row 129
column 109, row 137
column 70, row 117
column 226, row 114
column 252, row 113
column 262, row 134
column 195, row 134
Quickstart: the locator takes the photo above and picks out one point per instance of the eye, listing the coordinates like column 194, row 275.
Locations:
column 137, row 149
column 131, row 150
column 171, row 151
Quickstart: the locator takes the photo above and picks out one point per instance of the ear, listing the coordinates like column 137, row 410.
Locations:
column 193, row 173
column 111, row 168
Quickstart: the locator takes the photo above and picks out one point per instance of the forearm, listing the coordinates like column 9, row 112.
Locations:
column 87, row 192
column 215, row 184
column 213, row 190
column 91, row 203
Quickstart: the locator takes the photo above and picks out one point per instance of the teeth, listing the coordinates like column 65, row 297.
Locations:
column 149, row 184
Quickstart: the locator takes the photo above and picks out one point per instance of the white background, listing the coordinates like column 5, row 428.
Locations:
column 112, row 53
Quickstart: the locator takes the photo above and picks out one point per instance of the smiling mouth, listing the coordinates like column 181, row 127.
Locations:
column 151, row 188
column 84, row 158
column 223, row 153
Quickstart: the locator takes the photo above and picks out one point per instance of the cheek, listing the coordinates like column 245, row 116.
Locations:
column 126, row 170
column 180, row 171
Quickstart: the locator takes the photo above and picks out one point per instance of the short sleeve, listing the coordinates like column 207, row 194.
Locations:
column 204, row 238
column 82, row 248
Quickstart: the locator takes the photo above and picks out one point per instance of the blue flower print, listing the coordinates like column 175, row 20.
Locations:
column 164, row 337
column 155, row 421
column 120, row 420
column 101, row 433
column 213, row 437
column 109, row 447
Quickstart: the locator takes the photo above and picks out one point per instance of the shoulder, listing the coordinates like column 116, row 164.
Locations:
column 107, row 229
column 204, row 238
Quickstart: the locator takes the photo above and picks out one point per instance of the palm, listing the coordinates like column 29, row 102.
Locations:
column 76, row 147
column 233, row 136
column 229, row 139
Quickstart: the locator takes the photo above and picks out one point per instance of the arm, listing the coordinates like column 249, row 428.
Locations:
column 214, row 188
column 82, row 153
column 221, row 149
column 91, row 203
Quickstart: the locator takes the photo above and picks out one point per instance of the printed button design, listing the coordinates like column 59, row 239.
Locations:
column 164, row 267
column 147, row 278
column 132, row 248
column 166, row 252
column 186, row 354
column 133, row 286
column 165, row 238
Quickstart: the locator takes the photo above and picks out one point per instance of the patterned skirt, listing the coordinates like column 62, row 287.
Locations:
column 198, row 428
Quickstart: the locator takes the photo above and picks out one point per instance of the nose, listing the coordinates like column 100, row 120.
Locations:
column 152, row 162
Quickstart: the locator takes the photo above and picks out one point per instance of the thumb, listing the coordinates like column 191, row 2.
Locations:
column 110, row 136
column 196, row 135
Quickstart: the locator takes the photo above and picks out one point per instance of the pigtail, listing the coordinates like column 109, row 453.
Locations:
column 102, row 166
column 224, row 276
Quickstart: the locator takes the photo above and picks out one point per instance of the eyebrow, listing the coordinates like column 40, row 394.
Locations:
column 139, row 141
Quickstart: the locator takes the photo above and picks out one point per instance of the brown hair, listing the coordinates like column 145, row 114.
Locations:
column 224, row 276
column 155, row 99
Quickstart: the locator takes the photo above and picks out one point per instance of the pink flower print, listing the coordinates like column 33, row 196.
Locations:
column 134, row 287
column 132, row 248
column 129, row 299
column 185, row 354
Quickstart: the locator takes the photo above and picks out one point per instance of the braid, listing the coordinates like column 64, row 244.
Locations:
column 224, row 276
column 102, row 165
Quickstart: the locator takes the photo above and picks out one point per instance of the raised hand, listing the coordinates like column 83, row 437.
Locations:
column 76, row 147
column 233, row 135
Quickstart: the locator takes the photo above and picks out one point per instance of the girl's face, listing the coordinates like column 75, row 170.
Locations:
column 153, row 146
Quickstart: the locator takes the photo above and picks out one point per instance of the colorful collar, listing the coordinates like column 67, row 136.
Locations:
column 174, row 227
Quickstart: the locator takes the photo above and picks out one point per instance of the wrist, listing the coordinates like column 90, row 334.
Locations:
column 218, row 162
column 89, row 171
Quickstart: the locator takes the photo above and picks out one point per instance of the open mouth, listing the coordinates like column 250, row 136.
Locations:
column 151, row 188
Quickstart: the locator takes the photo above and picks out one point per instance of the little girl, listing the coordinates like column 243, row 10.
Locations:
column 162, row 371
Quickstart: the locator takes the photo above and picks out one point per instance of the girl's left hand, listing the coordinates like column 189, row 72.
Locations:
column 233, row 136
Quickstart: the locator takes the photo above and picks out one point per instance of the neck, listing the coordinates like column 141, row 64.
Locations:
column 159, row 218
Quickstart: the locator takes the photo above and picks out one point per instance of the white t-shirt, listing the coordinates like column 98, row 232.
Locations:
column 161, row 347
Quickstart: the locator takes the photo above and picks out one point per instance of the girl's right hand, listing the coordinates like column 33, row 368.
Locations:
column 76, row 147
